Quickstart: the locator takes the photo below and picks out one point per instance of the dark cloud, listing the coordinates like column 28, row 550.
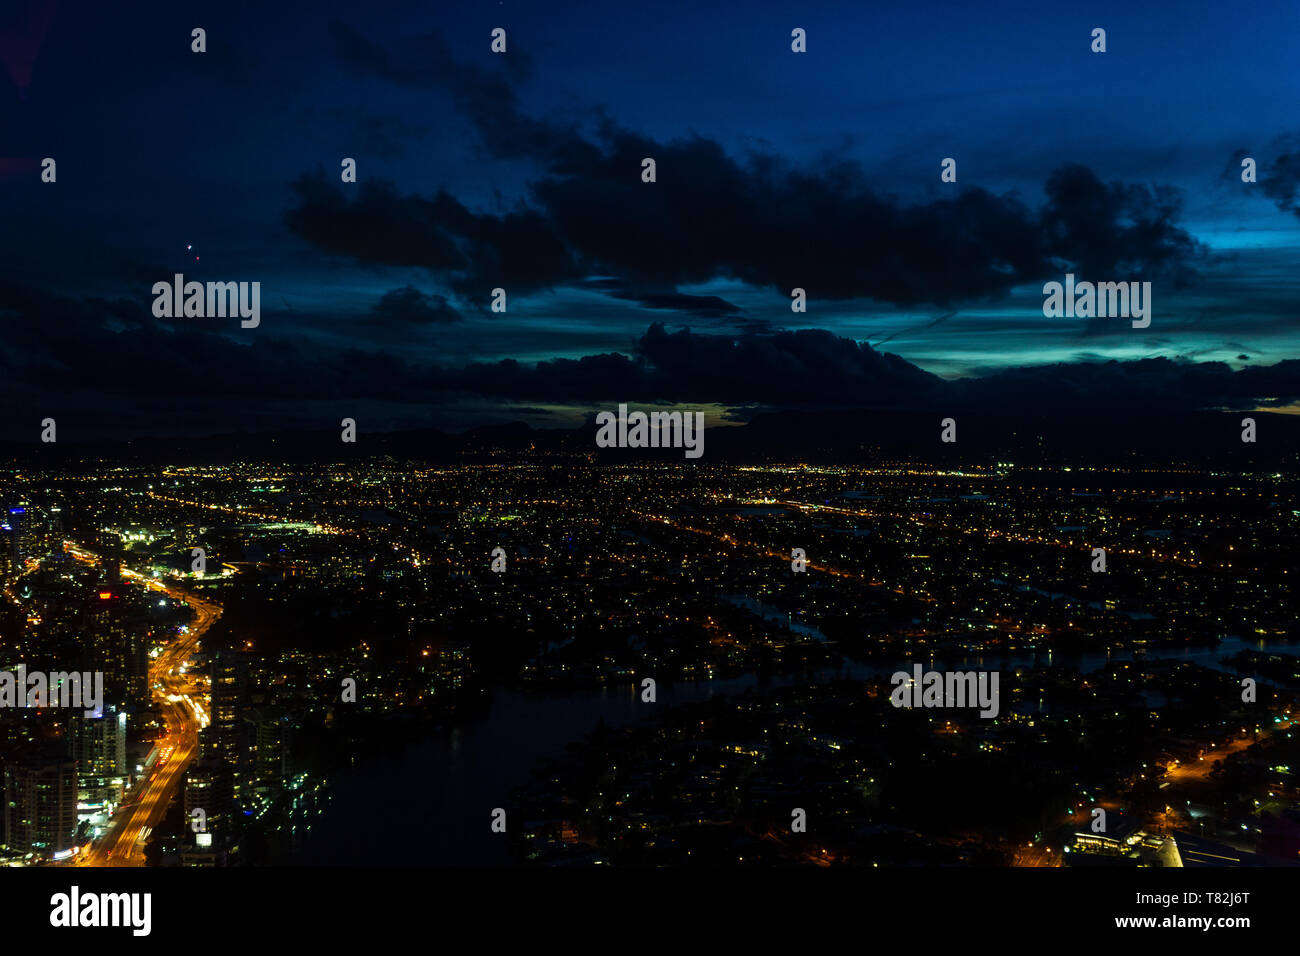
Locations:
column 709, row 215
column 1232, row 169
column 474, row 253
column 774, row 227
column 1116, row 390
column 813, row 368
column 1278, row 178
column 65, row 353
column 425, row 61
column 809, row 366
column 805, row 367
column 489, row 96
column 557, row 380
column 1282, row 182
column 701, row 305
column 705, row 306
column 61, row 346
column 379, row 226
column 1116, row 231
column 411, row 305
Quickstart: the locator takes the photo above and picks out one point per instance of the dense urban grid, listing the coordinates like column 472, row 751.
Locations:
column 276, row 636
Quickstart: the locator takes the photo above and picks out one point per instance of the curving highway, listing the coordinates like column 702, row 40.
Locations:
column 184, row 709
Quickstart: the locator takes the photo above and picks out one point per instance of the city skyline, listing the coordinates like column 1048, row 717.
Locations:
column 279, row 641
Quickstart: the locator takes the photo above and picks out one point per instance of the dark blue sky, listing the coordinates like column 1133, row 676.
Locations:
column 776, row 169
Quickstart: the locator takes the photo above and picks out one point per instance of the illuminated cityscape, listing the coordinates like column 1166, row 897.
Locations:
column 1120, row 690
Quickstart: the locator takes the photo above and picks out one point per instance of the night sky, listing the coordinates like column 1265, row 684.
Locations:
column 476, row 170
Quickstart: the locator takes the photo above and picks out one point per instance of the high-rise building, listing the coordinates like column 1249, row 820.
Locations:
column 227, row 736
column 17, row 522
column 111, row 555
column 6, row 549
column 40, row 804
column 115, row 634
column 98, row 745
column 209, row 786
column 270, row 752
